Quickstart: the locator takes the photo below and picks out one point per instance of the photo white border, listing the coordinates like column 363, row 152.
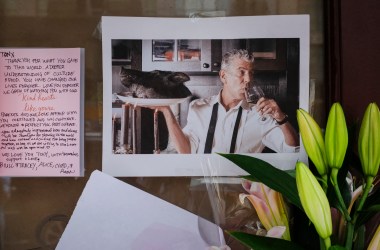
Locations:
column 279, row 26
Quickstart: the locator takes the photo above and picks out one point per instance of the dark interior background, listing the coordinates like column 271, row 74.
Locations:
column 344, row 66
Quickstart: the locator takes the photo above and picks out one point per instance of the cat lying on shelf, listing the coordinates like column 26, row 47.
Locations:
column 155, row 84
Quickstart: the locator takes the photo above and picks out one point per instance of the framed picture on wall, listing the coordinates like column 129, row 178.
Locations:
column 159, row 86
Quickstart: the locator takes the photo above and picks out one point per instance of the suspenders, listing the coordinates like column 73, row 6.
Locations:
column 211, row 129
column 236, row 128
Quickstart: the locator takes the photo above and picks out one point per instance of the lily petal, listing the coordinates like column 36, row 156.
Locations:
column 262, row 210
column 276, row 232
column 269, row 205
column 256, row 188
column 375, row 242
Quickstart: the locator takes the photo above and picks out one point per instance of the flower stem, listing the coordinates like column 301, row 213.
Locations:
column 324, row 183
column 334, row 180
column 367, row 188
column 351, row 224
column 350, row 234
column 327, row 243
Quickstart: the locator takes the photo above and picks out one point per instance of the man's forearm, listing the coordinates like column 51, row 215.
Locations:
column 180, row 140
column 291, row 137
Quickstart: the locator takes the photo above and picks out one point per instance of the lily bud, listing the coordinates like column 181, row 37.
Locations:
column 312, row 139
column 314, row 200
column 369, row 141
column 336, row 137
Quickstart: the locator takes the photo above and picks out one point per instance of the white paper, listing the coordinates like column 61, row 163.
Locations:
column 111, row 215
column 41, row 112
column 280, row 26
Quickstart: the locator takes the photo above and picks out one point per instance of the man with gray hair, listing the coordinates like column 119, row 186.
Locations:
column 227, row 123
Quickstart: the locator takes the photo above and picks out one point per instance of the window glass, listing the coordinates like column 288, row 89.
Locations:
column 35, row 211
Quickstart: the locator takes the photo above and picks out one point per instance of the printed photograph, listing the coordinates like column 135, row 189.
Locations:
column 185, row 96
column 164, row 92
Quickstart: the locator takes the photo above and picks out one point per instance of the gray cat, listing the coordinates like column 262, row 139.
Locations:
column 155, row 84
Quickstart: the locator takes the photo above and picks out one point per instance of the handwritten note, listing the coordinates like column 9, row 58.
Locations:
column 40, row 112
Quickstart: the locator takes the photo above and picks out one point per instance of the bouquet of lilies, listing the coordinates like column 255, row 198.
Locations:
column 335, row 203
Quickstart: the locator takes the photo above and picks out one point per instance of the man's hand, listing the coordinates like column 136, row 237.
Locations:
column 270, row 107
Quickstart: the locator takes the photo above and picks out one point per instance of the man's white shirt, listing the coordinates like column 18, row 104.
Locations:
column 254, row 133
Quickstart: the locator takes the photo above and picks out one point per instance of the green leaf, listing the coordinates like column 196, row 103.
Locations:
column 337, row 247
column 261, row 242
column 273, row 177
column 291, row 172
column 370, row 208
column 375, row 208
column 372, row 200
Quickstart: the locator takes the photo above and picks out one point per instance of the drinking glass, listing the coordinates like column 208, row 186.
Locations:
column 253, row 94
